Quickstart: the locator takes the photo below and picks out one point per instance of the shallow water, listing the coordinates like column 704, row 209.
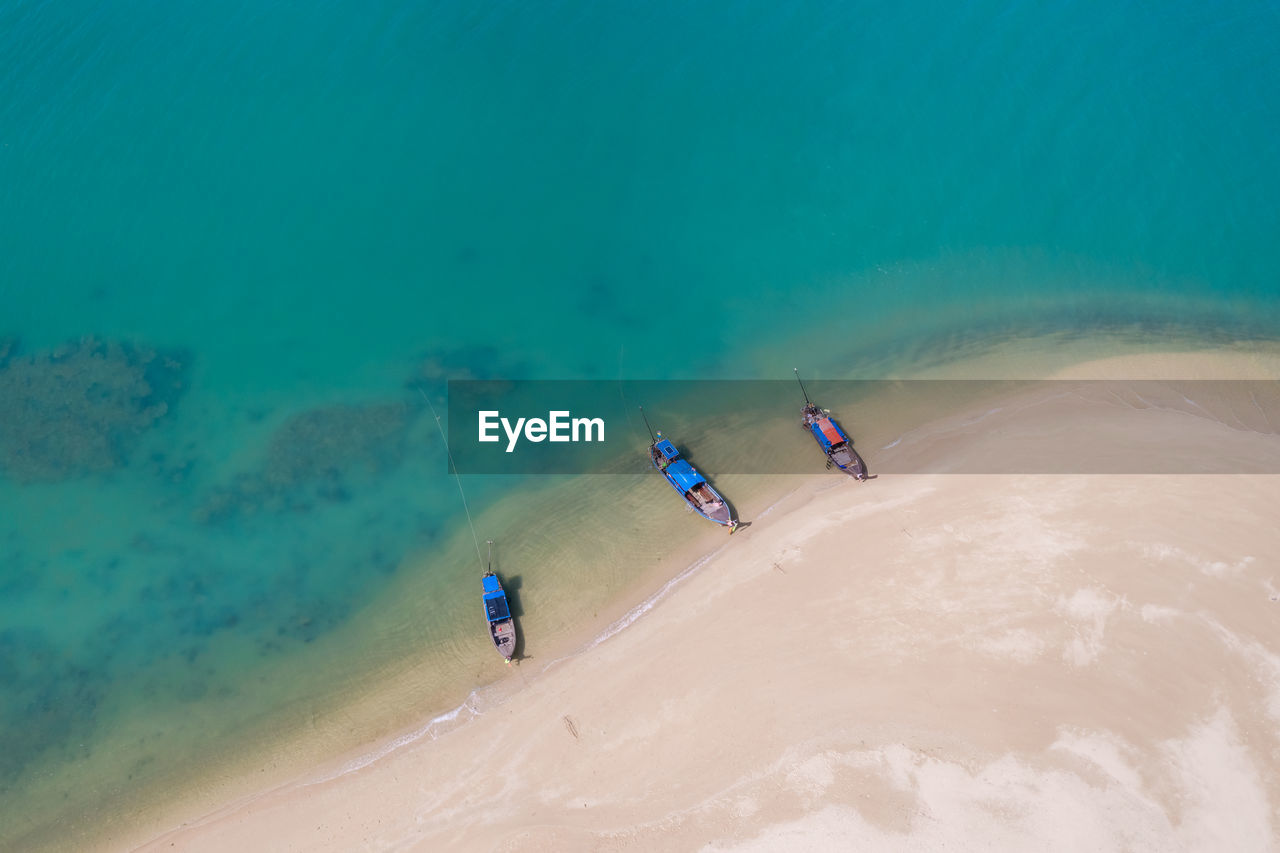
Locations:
column 311, row 212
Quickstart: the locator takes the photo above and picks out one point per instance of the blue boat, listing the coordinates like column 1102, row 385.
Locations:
column 689, row 484
column 834, row 441
column 502, row 627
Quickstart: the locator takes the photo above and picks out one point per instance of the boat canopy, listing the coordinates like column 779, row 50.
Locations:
column 667, row 449
column 830, row 431
column 495, row 600
column 497, row 608
column 683, row 475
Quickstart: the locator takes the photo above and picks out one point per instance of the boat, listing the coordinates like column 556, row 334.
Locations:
column 834, row 441
column 688, row 483
column 691, row 485
column 502, row 627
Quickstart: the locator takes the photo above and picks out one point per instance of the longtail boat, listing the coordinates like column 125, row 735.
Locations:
column 834, row 441
column 502, row 627
column 688, row 483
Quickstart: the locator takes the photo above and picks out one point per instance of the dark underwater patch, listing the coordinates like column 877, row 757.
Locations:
column 317, row 456
column 437, row 367
column 81, row 408
column 46, row 700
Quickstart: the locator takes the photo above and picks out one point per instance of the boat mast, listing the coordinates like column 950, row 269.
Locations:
column 652, row 440
column 802, row 391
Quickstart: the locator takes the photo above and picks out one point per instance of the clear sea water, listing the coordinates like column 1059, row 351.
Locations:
column 310, row 208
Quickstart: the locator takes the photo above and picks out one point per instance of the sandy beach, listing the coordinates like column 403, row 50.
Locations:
column 315, row 315
column 1009, row 661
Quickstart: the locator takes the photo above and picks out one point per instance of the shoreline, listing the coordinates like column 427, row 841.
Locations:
column 259, row 255
column 913, row 701
column 574, row 644
column 623, row 613
column 615, row 617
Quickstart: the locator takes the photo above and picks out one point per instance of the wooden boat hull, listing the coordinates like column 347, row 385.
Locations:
column 502, row 626
column 853, row 466
column 692, row 487
column 503, row 635
column 833, row 441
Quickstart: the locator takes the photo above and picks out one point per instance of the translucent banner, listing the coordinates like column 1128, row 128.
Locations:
column 894, row 427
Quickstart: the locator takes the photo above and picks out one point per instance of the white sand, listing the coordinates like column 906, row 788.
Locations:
column 923, row 662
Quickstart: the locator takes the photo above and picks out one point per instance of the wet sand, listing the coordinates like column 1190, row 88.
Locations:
column 1007, row 661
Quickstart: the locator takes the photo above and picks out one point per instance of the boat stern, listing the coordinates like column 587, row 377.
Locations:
column 721, row 514
column 850, row 462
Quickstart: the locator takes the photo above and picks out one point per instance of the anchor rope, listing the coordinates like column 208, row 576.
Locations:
column 456, row 477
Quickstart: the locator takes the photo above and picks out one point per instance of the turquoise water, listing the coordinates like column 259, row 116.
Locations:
column 310, row 209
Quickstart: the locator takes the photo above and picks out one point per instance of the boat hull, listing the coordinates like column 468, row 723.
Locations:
column 502, row 625
column 833, row 441
column 714, row 509
column 503, row 635
column 855, row 467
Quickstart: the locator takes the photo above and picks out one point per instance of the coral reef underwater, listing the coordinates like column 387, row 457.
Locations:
column 80, row 408
column 316, row 456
